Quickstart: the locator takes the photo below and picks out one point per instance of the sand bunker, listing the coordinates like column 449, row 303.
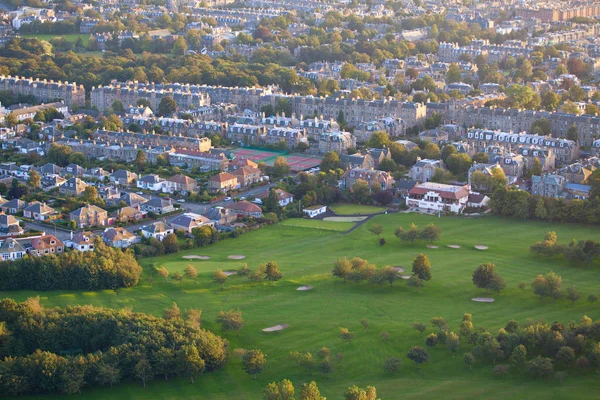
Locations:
column 483, row 299
column 430, row 246
column 398, row 269
column 276, row 328
column 305, row 288
column 237, row 257
column 404, row 276
column 481, row 247
column 196, row 257
column 454, row 246
column 229, row 273
column 344, row 219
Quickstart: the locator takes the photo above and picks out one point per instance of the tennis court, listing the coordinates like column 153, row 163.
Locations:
column 296, row 163
column 299, row 163
column 255, row 155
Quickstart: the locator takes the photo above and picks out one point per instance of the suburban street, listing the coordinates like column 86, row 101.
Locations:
column 198, row 208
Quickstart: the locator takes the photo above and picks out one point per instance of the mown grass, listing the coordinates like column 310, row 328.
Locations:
column 341, row 226
column 306, row 256
column 70, row 37
column 349, row 209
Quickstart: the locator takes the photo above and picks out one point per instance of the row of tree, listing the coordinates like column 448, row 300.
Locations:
column 582, row 251
column 104, row 268
column 284, row 390
column 64, row 350
column 431, row 233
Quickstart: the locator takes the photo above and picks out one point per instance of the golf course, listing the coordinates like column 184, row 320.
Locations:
column 305, row 252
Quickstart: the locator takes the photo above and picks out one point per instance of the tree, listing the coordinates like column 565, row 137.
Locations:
column 35, row 179
column 283, row 390
column 540, row 367
column 592, row 298
column 420, row 327
column 346, row 335
column 77, row 158
column 484, row 277
column 330, row 162
column 431, row 340
column 550, row 101
column 392, row 364
column 469, row 359
column 191, row 273
column 421, row 267
column 545, row 285
column 272, row 272
column 107, row 374
column 356, row 393
column 573, row 295
column 565, row 356
column 310, row 391
column 388, row 274
column 418, row 355
column 177, row 277
column 231, row 320
column 140, row 160
column 501, row 369
column 376, row 229
column 194, row 318
column 220, row 277
column 280, row 167
column 11, row 120
column 458, row 163
column 453, row 342
column 162, row 271
column 180, row 46
column 172, row 312
column 416, row 282
column 254, row 362
column 410, row 235
column 90, row 194
column 167, row 107
column 59, row 154
column 430, row 233
column 143, row 371
column 189, row 362
column 360, row 191
column 454, row 73
column 117, row 107
column 383, row 197
column 342, row 268
column 519, row 355
column 466, row 326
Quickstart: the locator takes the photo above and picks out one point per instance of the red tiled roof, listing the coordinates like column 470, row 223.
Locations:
column 445, row 194
column 244, row 206
column 222, row 177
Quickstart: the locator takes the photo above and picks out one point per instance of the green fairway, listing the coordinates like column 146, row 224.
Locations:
column 318, row 224
column 349, row 209
column 306, row 256
column 70, row 37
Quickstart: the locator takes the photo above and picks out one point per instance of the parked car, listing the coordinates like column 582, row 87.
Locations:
column 227, row 198
column 181, row 200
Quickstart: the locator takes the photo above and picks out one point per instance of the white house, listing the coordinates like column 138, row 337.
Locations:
column 151, row 182
column 81, row 241
column 158, row 230
column 314, row 211
column 434, row 197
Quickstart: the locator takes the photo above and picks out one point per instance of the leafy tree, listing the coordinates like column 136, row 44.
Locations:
column 360, row 191
column 501, row 369
column 431, row 340
column 141, row 160
column 194, row 318
column 565, row 356
column 11, row 120
column 453, row 342
column 330, row 162
column 466, row 326
column 283, row 390
column 430, row 233
column 540, row 367
column 191, row 273
column 518, row 355
column 346, row 335
column 59, row 154
column 220, row 277
column 280, row 167
column 272, row 272
column 420, row 327
column 392, row 364
column 421, row 267
column 410, row 235
column 416, row 282
column 469, row 359
column 35, row 179
column 108, row 374
column 592, row 298
column 253, row 362
column 550, row 101
column 90, row 194
column 310, row 391
column 177, row 277
column 117, row 107
column 485, row 277
column 167, row 107
column 189, row 361
column 231, row 320
column 572, row 133
column 418, row 355
column 77, row 158
column 356, row 393
column 172, row 312
column 545, row 285
column 143, row 370
column 162, row 271
column 376, row 229
column 342, row 268
column 573, row 295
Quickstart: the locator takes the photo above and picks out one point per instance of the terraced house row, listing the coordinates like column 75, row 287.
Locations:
column 45, row 90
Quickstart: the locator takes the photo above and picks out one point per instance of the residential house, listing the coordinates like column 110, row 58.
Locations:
column 45, row 245
column 283, row 198
column 424, row 170
column 158, row 205
column 379, row 155
column 72, row 187
column 371, row 176
column 40, row 211
column 89, row 215
column 13, row 206
column 150, row 182
column 180, row 183
column 436, row 136
column 577, row 191
column 188, row 221
column 220, row 215
column 223, row 181
column 248, row 175
column 129, row 214
column 314, row 211
column 245, row 209
column 437, row 197
column 119, row 237
column 403, row 187
column 357, row 160
column 11, row 249
column 241, row 162
column 73, row 170
column 132, row 199
column 123, row 177
column 110, row 194
column 157, row 230
column 97, row 173
column 548, row 185
column 50, row 182
column 81, row 241
column 49, row 169
column 9, row 226
column 477, row 200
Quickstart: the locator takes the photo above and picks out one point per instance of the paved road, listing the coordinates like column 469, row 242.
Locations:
column 60, row 234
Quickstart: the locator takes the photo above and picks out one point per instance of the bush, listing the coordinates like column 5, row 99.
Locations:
column 382, row 241
column 392, row 364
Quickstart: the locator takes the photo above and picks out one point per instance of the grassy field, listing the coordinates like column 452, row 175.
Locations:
column 318, row 224
column 70, row 37
column 348, row 209
column 306, row 256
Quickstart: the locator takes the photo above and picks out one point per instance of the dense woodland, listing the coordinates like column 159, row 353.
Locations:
column 104, row 268
column 65, row 350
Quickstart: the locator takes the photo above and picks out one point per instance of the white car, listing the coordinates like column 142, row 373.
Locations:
column 227, row 198
column 181, row 200
column 242, row 198
column 140, row 193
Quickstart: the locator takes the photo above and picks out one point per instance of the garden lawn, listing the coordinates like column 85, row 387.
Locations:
column 306, row 256
column 318, row 224
column 346, row 209
column 70, row 37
